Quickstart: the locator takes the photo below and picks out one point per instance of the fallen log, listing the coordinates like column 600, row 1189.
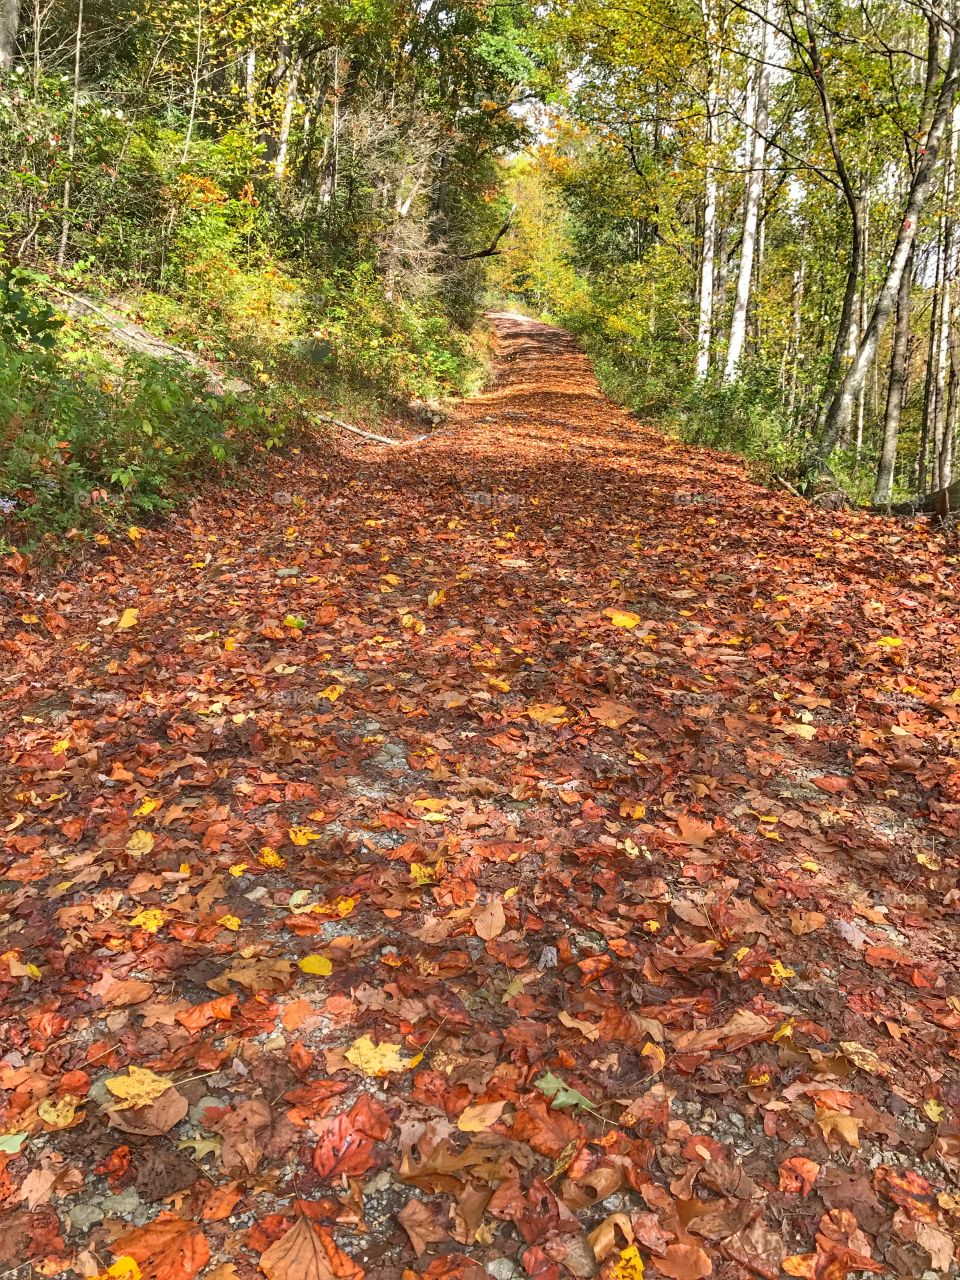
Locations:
column 940, row 503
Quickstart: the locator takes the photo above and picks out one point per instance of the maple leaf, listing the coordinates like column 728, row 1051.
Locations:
column 308, row 1252
column 168, row 1248
column 420, row 1223
column 694, row 832
column 848, row 1127
column 547, row 712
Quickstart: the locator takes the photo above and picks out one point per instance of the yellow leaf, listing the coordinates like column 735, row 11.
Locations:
column 140, row 842
column 931, row 861
column 890, row 642
column 848, row 1127
column 413, row 623
column 332, row 692
column 134, row 534
column 501, row 686
column 806, row 731
column 318, row 966
column 784, row 1031
column 128, row 619
column 378, row 1059
column 431, row 804
column 863, row 1057
column 237, row 869
column 629, row 1266
column 781, row 972
column 421, row 873
column 623, row 618
column 139, row 1088
column 547, row 712
column 303, row 835
column 338, row 906
column 60, row 747
column 229, row 922
column 934, row 1109
column 146, row 807
column 150, row 919
column 656, row 1054
column 124, row 1268
column 480, row 1116
column 270, row 858
column 436, row 597
column 59, row 1114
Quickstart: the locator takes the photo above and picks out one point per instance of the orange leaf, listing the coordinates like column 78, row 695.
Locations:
column 168, row 1248
column 307, row 1252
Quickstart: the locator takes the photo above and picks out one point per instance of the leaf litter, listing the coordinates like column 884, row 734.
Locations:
column 400, row 885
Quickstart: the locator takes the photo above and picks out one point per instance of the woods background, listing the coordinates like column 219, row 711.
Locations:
column 747, row 212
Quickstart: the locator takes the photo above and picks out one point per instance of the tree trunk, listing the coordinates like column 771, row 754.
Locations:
column 757, row 127
column 845, row 325
column 9, row 25
column 705, row 318
column 71, row 141
column 289, row 102
column 838, row 415
column 195, row 93
column 895, row 389
column 945, row 320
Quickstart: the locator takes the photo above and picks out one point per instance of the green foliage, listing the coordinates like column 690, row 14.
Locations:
column 87, row 443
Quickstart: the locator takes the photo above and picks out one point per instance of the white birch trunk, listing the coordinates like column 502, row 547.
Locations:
column 705, row 319
column 757, row 130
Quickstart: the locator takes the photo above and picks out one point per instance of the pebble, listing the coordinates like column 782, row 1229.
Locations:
column 502, row 1269
column 84, row 1216
column 124, row 1204
column 199, row 1107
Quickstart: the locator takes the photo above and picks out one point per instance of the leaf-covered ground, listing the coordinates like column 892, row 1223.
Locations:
column 533, row 850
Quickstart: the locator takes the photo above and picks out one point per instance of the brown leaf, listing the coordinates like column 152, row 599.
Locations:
column 419, row 1221
column 307, row 1252
column 684, row 1262
column 693, row 831
column 613, row 715
column 490, row 921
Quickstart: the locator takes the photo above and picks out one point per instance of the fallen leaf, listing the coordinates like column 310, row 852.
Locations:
column 308, row 1252
column 378, row 1059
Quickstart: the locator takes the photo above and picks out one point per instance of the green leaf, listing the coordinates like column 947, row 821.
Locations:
column 562, row 1094
column 10, row 1143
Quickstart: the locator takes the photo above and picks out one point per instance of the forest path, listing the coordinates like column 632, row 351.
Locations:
column 549, row 748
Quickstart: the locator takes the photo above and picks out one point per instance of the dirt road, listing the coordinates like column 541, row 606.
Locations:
column 533, row 850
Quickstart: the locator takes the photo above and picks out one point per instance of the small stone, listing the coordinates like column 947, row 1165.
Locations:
column 85, row 1216
column 288, row 573
column 122, row 1205
column 198, row 1109
column 502, row 1269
